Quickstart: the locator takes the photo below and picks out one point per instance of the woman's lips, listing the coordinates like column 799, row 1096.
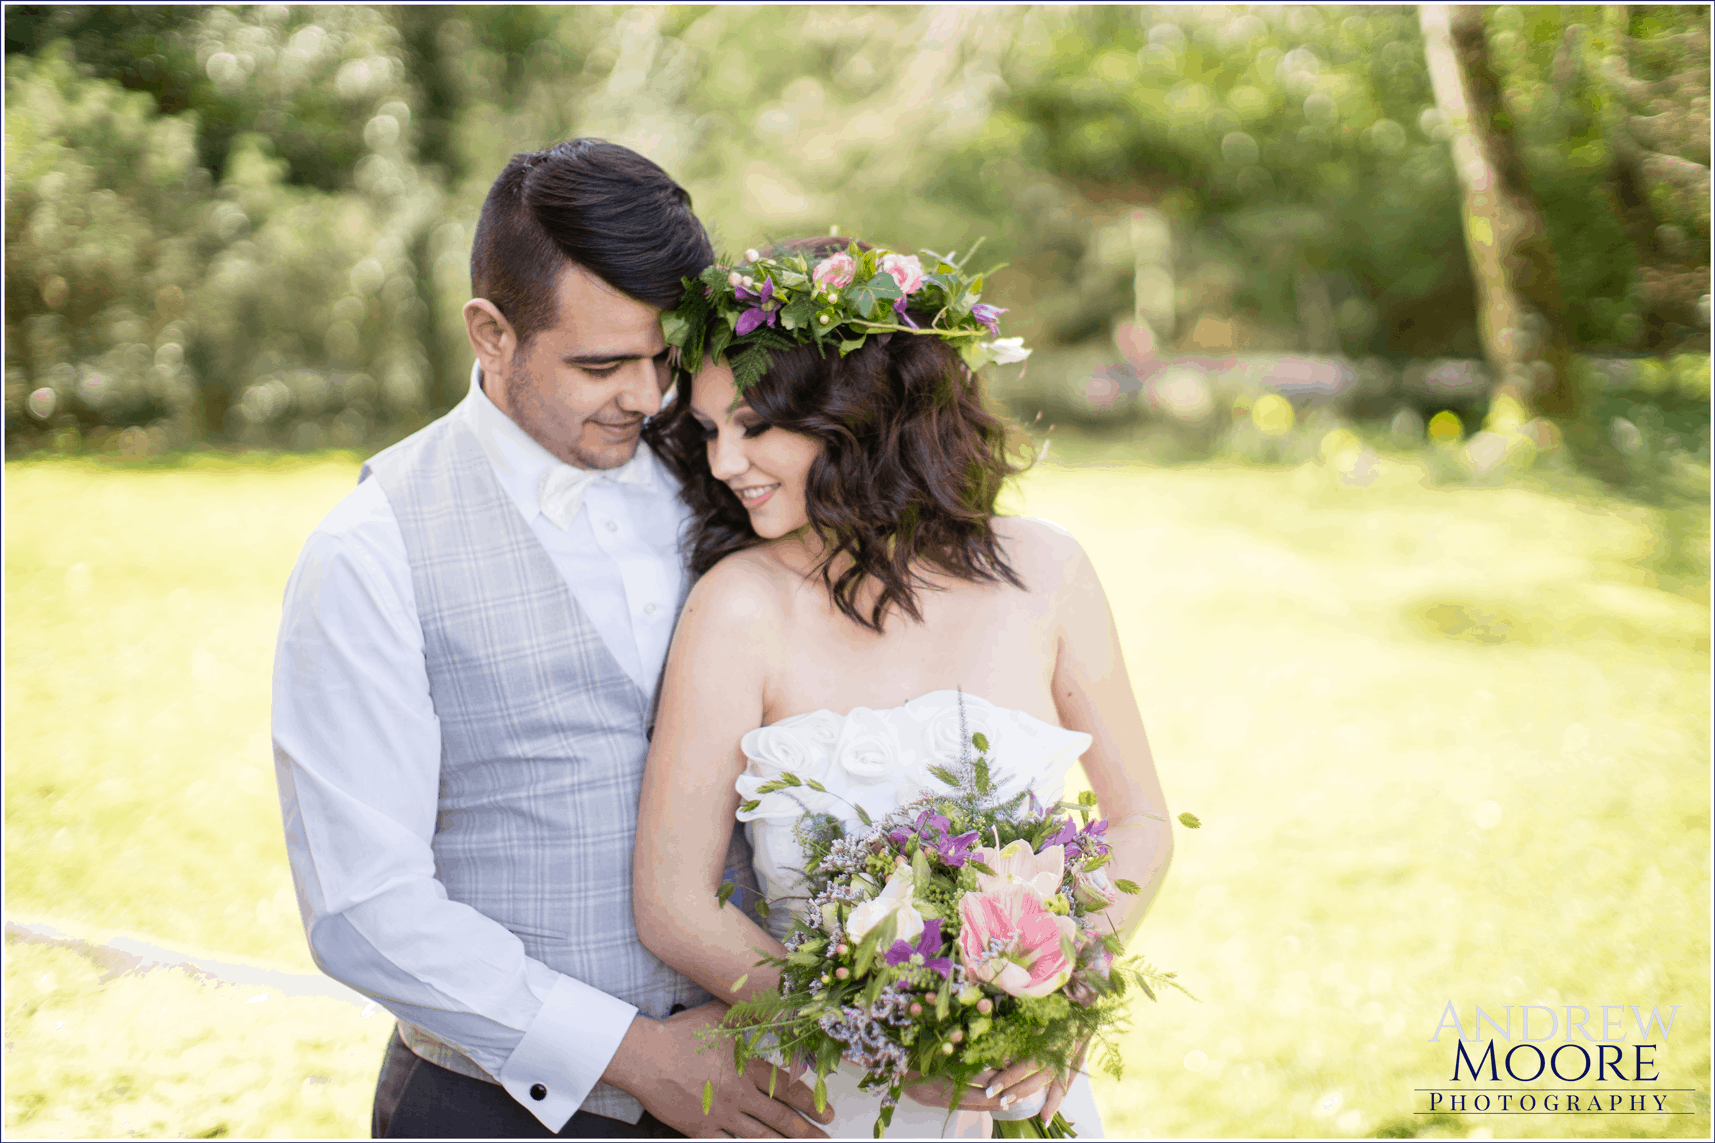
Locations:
column 752, row 501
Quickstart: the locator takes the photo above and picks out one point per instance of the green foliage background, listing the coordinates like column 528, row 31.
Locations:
column 251, row 224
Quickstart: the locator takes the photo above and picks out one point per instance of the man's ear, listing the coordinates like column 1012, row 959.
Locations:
column 491, row 337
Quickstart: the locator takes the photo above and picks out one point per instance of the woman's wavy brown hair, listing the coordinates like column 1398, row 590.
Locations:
column 910, row 467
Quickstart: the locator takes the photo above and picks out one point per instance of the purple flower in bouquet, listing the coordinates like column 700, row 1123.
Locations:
column 925, row 954
column 932, row 828
column 1079, row 843
column 761, row 312
column 988, row 315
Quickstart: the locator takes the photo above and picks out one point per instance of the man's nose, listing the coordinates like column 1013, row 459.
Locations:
column 642, row 390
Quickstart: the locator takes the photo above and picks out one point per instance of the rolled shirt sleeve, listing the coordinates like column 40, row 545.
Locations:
column 357, row 752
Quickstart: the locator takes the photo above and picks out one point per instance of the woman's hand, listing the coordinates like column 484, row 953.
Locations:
column 989, row 1091
column 1062, row 1084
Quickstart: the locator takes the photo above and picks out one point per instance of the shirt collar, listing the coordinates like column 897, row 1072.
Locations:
column 518, row 461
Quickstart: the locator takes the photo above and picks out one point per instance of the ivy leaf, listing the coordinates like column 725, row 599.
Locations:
column 865, row 296
column 719, row 339
column 974, row 353
column 675, row 327
column 1190, row 821
column 722, row 894
column 799, row 313
column 847, row 346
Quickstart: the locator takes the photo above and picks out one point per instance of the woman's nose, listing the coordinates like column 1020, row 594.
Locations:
column 726, row 457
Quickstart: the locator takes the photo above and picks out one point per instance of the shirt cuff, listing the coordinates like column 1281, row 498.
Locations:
column 565, row 1051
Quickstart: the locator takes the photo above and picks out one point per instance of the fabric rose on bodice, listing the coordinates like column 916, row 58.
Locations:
column 868, row 749
column 943, row 738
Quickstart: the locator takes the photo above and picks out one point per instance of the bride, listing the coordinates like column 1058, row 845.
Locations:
column 858, row 597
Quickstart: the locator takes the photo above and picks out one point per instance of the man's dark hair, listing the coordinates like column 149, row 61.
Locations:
column 597, row 204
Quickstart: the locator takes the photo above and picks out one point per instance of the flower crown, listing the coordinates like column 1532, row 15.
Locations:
column 783, row 300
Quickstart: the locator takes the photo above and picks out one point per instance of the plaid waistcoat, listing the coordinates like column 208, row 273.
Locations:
column 543, row 738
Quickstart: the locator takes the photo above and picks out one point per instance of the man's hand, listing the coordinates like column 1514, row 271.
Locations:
column 659, row 1062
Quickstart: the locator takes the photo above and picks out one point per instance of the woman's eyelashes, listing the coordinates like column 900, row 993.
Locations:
column 751, row 431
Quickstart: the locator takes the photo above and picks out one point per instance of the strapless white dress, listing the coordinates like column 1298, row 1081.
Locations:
column 880, row 760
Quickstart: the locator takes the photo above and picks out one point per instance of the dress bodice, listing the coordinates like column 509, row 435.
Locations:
column 881, row 760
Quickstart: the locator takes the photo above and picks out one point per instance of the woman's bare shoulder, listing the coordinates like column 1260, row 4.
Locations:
column 1041, row 551
column 742, row 590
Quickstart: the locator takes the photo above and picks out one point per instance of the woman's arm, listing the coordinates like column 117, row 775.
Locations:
column 1092, row 693
column 712, row 695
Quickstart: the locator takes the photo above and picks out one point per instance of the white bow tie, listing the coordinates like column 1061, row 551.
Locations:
column 560, row 490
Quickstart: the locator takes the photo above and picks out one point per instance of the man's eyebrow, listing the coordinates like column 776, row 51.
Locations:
column 601, row 359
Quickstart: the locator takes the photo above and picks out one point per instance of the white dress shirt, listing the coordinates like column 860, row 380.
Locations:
column 357, row 751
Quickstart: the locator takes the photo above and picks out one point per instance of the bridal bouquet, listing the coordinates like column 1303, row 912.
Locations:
column 959, row 933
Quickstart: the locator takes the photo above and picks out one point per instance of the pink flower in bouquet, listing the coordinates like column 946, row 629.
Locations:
column 1018, row 864
column 906, row 270
column 834, row 272
column 1094, row 889
column 1009, row 939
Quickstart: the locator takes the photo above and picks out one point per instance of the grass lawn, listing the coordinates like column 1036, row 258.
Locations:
column 1448, row 746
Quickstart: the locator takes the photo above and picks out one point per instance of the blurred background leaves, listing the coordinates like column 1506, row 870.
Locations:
column 250, row 225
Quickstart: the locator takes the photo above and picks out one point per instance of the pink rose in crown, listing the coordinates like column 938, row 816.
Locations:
column 906, row 270
column 1009, row 939
column 834, row 272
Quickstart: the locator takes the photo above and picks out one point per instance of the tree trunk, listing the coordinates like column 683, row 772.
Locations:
column 1519, row 309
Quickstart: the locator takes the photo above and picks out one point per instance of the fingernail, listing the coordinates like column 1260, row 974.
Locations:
column 992, row 1090
column 1007, row 1101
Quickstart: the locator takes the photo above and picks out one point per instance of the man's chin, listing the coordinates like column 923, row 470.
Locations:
column 599, row 448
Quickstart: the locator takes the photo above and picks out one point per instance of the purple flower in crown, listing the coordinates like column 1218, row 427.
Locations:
column 926, row 953
column 899, row 308
column 988, row 315
column 762, row 312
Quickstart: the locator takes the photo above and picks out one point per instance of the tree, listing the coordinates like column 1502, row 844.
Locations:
column 1519, row 306
column 1652, row 67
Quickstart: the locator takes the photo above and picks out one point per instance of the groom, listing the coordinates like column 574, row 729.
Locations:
column 465, row 672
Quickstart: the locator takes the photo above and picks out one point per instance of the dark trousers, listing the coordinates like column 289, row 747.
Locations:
column 415, row 1099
